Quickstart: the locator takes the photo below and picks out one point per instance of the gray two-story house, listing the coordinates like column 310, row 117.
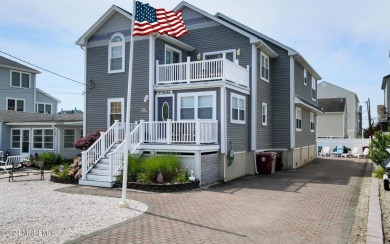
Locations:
column 224, row 90
column 29, row 122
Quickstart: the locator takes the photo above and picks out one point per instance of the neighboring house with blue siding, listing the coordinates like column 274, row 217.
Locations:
column 28, row 116
column 224, row 88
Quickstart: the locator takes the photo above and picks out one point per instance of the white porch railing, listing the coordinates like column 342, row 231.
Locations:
column 116, row 157
column 106, row 140
column 192, row 132
column 205, row 70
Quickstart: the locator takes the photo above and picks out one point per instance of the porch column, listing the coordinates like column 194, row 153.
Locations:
column 188, row 70
column 169, row 131
column 197, row 132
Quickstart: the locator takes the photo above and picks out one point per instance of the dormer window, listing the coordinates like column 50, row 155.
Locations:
column 116, row 54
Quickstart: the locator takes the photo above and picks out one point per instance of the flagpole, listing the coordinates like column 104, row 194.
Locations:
column 123, row 203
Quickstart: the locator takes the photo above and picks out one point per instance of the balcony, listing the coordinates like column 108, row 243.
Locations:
column 200, row 71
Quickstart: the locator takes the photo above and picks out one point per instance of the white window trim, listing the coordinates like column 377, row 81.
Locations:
column 43, row 141
column 313, row 87
column 261, row 67
column 109, row 101
column 239, row 97
column 44, row 108
column 196, row 95
column 20, row 139
column 16, row 99
column 20, row 76
column 167, row 47
column 63, row 139
column 296, row 117
column 223, row 52
column 305, row 77
column 123, row 53
column 312, row 120
column 266, row 114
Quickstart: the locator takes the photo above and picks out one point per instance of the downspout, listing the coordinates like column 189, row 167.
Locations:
column 292, row 106
column 151, row 76
column 85, row 94
column 35, row 95
column 223, row 130
column 254, row 105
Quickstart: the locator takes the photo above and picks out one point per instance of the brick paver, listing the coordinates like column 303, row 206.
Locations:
column 314, row 204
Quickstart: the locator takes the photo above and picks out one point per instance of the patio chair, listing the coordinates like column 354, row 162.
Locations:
column 363, row 155
column 365, row 152
column 325, row 151
column 355, row 152
column 338, row 152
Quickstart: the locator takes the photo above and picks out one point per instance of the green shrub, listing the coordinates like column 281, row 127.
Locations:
column 378, row 145
column 63, row 175
column 55, row 170
column 379, row 172
column 133, row 169
column 143, row 178
column 51, row 159
column 182, row 176
column 167, row 164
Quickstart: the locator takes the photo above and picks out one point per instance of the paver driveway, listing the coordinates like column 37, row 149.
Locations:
column 314, row 204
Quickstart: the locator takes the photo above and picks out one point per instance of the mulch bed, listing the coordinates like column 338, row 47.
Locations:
column 179, row 187
column 54, row 178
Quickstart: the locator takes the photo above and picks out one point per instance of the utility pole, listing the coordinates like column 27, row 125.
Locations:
column 369, row 118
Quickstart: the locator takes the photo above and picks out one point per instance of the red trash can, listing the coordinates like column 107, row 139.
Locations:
column 264, row 163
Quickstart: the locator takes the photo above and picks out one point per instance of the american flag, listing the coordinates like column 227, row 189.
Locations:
column 149, row 20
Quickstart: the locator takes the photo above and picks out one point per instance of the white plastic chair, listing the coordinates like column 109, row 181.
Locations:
column 325, row 151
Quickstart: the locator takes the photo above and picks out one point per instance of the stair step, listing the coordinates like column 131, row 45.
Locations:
column 99, row 171
column 96, row 183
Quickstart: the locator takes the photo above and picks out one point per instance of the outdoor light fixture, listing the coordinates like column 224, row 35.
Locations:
column 199, row 56
column 146, row 98
column 238, row 53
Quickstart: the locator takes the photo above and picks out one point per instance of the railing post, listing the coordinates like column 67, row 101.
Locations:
column 157, row 72
column 197, row 132
column 142, row 131
column 110, row 167
column 84, row 165
column 169, row 131
column 224, row 70
column 188, row 69
column 102, row 143
column 116, row 131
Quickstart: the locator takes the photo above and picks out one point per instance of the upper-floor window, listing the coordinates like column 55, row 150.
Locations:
column 312, row 123
column 264, row 66
column 172, row 55
column 15, row 104
column 197, row 105
column 43, row 108
column 20, row 79
column 116, row 54
column 313, row 88
column 237, row 109
column 298, row 119
column 305, row 77
column 264, row 114
column 230, row 55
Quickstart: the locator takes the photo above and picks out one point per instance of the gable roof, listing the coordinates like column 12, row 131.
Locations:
column 10, row 64
column 7, row 116
column 327, row 82
column 82, row 41
column 50, row 96
column 332, row 104
column 385, row 79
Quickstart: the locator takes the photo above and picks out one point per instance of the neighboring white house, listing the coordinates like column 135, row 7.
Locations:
column 329, row 90
column 333, row 122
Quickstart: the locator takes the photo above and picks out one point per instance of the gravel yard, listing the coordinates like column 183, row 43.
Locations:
column 32, row 211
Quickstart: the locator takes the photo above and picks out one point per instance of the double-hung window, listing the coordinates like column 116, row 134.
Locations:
column 200, row 105
column 116, row 54
column 298, row 119
column 312, row 123
column 43, row 138
column 264, row 114
column 20, row 79
column 264, row 66
column 305, row 77
column 313, row 89
column 43, row 108
column 69, row 138
column 15, row 104
column 237, row 109
column 15, row 138
column 115, row 110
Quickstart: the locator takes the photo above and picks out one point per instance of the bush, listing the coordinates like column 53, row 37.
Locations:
column 63, row 175
column 182, row 176
column 167, row 164
column 379, row 172
column 133, row 169
column 87, row 141
column 378, row 145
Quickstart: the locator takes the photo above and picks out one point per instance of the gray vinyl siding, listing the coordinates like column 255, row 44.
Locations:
column 264, row 95
column 115, row 85
column 42, row 98
column 237, row 134
column 69, row 152
column 280, row 97
column 305, row 137
column 301, row 89
column 5, row 138
column 6, row 91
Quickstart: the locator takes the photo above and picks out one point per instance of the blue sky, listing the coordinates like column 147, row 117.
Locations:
column 347, row 42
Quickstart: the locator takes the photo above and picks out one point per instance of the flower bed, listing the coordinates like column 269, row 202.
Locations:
column 176, row 187
column 69, row 180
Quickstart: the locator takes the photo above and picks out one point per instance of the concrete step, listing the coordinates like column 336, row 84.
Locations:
column 96, row 183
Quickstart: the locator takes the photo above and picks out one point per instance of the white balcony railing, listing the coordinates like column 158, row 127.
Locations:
column 205, row 70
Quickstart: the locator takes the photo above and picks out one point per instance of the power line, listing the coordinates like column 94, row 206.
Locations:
column 42, row 68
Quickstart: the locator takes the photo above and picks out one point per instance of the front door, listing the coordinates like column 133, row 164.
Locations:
column 25, row 142
column 164, row 108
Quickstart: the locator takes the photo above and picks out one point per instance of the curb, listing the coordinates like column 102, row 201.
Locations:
column 374, row 225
